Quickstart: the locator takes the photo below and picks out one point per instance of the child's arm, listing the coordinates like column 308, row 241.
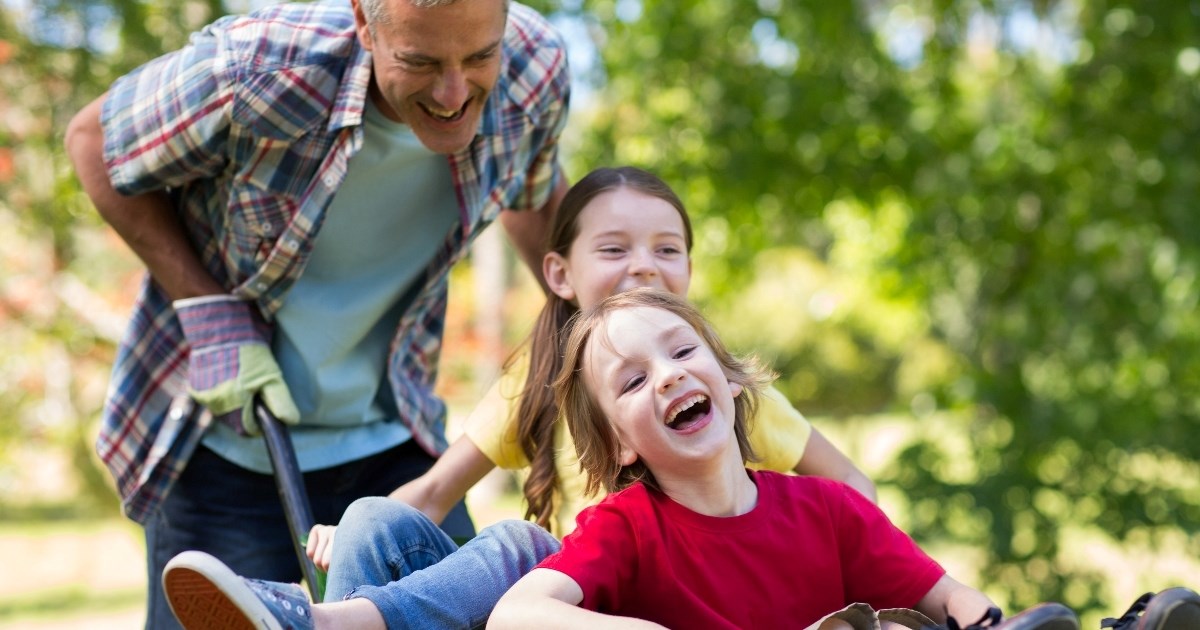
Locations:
column 546, row 598
column 822, row 459
column 433, row 493
column 447, row 481
column 949, row 597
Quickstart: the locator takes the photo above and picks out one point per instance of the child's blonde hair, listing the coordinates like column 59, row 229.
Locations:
column 595, row 439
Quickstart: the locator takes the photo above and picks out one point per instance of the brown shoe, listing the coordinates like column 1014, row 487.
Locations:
column 1173, row 609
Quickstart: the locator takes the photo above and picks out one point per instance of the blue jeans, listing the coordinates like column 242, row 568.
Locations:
column 394, row 556
column 235, row 515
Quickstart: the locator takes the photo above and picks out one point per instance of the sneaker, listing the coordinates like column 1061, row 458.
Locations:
column 1049, row 616
column 1173, row 609
column 205, row 594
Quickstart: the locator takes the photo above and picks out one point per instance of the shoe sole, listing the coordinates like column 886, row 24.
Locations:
column 1173, row 609
column 205, row 594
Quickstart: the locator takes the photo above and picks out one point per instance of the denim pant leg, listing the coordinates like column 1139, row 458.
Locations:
column 235, row 514
column 395, row 557
column 246, row 529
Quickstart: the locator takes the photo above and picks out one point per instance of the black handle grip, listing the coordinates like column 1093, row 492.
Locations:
column 290, row 484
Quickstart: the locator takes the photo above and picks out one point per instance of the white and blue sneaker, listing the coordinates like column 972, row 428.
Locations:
column 207, row 595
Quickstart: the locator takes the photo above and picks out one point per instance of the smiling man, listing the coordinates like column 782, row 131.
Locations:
column 393, row 130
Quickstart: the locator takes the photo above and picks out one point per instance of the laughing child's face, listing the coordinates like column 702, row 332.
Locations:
column 626, row 239
column 662, row 389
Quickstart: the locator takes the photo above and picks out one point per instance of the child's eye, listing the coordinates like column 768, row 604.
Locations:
column 632, row 384
column 670, row 250
column 685, row 352
column 611, row 249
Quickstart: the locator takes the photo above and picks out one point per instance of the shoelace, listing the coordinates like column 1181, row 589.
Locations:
column 990, row 619
column 1130, row 617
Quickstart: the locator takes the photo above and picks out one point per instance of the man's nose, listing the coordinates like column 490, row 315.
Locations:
column 450, row 92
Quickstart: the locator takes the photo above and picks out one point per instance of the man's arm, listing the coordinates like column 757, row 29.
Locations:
column 546, row 598
column 146, row 222
column 529, row 231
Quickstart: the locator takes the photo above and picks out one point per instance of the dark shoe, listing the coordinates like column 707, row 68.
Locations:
column 205, row 594
column 1173, row 609
column 1048, row 616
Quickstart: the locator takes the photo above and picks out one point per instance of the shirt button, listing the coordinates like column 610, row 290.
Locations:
column 291, row 245
column 329, row 181
column 265, row 225
column 261, row 286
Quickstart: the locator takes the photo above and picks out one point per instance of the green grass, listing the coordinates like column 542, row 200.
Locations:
column 61, row 602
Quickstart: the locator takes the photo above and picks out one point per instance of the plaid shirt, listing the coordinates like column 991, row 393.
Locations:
column 250, row 128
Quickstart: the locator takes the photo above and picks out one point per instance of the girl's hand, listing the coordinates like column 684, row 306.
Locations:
column 320, row 545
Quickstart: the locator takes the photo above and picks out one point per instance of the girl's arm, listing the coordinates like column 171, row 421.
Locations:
column 546, row 598
column 822, row 459
column 433, row 493
column 462, row 465
column 952, row 598
column 447, row 481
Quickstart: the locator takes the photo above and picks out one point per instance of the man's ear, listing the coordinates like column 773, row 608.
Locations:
column 554, row 270
column 360, row 26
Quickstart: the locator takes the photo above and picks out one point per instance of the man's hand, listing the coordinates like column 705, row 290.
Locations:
column 230, row 361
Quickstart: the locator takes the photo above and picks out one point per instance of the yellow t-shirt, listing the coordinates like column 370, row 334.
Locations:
column 778, row 433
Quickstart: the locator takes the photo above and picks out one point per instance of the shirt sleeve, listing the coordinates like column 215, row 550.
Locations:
column 492, row 425
column 167, row 122
column 545, row 171
column 881, row 563
column 601, row 555
column 778, row 433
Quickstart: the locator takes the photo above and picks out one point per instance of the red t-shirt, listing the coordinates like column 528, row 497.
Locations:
column 809, row 547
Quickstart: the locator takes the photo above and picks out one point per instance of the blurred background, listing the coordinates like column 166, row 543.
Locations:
column 964, row 233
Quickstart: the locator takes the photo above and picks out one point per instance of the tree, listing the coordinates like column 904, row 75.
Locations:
column 1019, row 173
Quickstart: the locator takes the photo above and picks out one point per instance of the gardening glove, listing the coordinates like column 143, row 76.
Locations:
column 230, row 361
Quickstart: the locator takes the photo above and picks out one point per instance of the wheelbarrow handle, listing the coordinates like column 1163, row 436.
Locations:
column 290, row 483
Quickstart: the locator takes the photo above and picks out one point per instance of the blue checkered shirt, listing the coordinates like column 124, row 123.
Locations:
column 250, row 129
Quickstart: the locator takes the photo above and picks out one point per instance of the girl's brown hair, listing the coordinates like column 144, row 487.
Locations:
column 595, row 439
column 537, row 413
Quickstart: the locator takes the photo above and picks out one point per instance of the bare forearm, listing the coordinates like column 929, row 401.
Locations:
column 549, row 614
column 950, row 597
column 147, row 222
column 527, row 231
column 447, row 482
column 823, row 459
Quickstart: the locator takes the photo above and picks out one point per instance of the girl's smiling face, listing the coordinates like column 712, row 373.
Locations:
column 625, row 239
column 662, row 389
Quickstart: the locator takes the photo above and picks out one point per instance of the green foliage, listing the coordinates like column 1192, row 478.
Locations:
column 913, row 206
column 55, row 57
column 1034, row 204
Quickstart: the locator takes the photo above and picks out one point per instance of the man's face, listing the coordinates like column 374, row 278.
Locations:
column 434, row 67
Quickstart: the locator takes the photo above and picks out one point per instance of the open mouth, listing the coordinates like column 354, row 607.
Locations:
column 688, row 412
column 446, row 116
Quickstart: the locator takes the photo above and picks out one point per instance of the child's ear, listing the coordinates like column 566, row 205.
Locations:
column 554, row 270
column 626, row 456
column 735, row 389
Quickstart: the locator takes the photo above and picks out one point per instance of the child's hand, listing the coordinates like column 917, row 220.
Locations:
column 320, row 545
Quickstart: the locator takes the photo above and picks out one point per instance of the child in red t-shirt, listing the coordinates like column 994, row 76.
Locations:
column 689, row 538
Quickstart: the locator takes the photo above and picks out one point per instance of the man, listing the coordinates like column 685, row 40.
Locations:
column 298, row 182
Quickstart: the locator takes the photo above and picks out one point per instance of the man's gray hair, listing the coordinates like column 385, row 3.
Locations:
column 376, row 11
